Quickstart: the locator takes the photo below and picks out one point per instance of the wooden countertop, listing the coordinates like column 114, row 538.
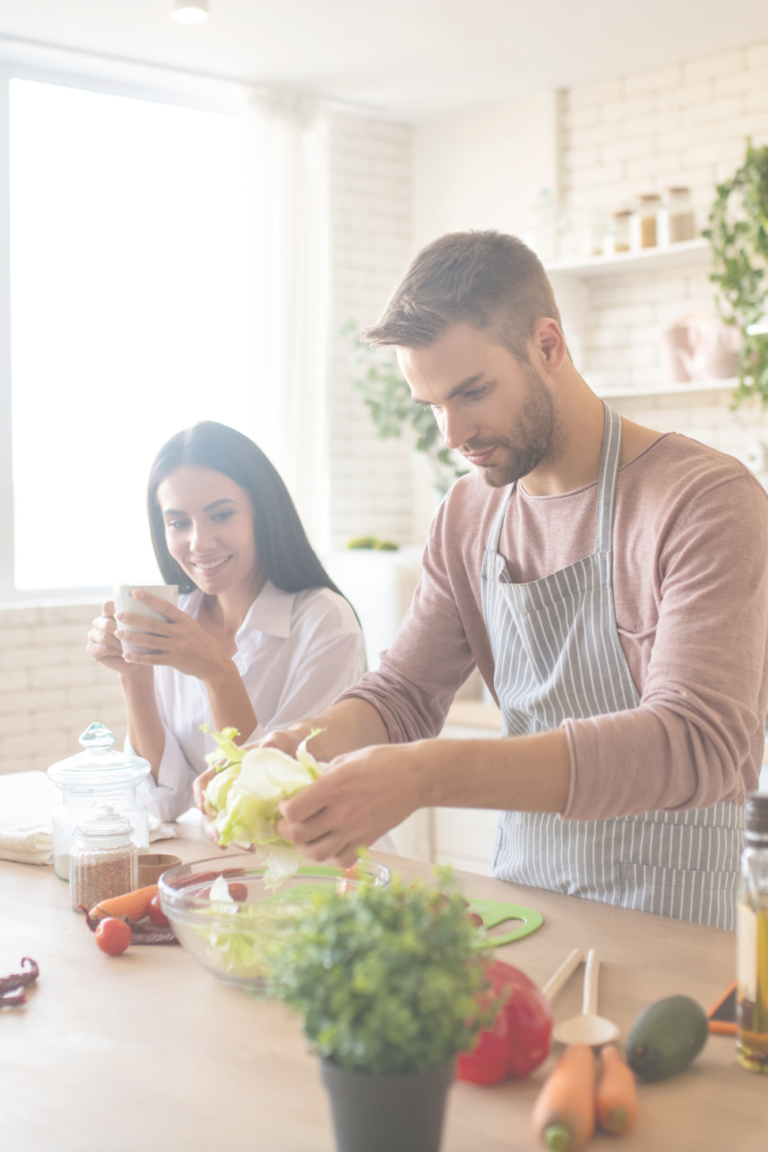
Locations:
column 148, row 1051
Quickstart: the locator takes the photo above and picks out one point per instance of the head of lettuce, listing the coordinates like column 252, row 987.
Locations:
column 242, row 799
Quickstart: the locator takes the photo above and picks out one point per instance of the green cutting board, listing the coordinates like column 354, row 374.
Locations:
column 494, row 912
column 491, row 912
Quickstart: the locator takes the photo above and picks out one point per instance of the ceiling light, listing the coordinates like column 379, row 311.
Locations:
column 190, row 11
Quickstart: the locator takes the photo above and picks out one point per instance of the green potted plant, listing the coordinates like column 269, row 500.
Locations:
column 738, row 234
column 391, row 984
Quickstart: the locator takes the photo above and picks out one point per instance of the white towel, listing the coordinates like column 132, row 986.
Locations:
column 33, row 843
column 27, row 844
column 160, row 831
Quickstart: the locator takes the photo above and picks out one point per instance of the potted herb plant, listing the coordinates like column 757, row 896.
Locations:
column 391, row 984
column 738, row 234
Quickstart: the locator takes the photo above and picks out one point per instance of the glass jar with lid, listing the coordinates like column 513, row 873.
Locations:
column 97, row 773
column 676, row 219
column 102, row 861
column 643, row 223
column 616, row 238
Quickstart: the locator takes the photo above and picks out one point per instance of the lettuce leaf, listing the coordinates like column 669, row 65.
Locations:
column 243, row 798
column 228, row 752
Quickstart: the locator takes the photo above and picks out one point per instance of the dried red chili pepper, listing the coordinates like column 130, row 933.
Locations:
column 518, row 1041
column 11, row 995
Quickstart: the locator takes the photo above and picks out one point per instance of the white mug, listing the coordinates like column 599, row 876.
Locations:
column 124, row 602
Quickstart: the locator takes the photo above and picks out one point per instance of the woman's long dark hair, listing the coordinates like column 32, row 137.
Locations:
column 282, row 547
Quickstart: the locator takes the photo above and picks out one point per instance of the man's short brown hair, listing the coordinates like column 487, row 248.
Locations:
column 486, row 279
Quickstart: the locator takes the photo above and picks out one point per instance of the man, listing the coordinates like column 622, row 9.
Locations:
column 609, row 582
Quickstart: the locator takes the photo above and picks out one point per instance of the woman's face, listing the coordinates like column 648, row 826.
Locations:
column 209, row 528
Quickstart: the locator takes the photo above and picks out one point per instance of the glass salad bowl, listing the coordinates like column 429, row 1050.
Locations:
column 222, row 912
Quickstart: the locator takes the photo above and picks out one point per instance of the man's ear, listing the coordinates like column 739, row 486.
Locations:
column 547, row 345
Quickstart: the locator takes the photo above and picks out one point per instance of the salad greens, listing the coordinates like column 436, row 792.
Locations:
column 242, row 799
column 243, row 952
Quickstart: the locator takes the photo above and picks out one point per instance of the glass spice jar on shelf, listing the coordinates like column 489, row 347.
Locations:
column 643, row 223
column 676, row 220
column 616, row 238
column 592, row 237
column 103, row 862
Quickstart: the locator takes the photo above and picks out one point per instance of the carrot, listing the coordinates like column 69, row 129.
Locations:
column 616, row 1100
column 564, row 1112
column 134, row 905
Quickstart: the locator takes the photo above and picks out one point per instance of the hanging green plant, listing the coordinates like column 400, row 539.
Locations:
column 738, row 233
column 388, row 398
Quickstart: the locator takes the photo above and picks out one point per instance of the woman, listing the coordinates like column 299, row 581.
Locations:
column 262, row 636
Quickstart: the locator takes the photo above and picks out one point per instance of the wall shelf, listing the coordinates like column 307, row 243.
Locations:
column 688, row 389
column 687, row 253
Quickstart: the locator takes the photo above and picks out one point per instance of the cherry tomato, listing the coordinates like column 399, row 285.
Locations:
column 476, row 919
column 113, row 935
column 156, row 914
column 238, row 892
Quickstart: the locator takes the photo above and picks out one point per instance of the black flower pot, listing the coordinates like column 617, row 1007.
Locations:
column 388, row 1113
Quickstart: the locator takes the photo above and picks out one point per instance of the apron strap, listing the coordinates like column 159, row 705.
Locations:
column 609, row 467
column 493, row 539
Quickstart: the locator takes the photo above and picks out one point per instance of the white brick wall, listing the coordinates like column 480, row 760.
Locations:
column 681, row 125
column 371, row 482
column 50, row 689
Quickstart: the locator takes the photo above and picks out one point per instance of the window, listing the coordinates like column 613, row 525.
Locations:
column 131, row 316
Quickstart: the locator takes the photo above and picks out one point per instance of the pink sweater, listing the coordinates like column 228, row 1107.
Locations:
column 690, row 579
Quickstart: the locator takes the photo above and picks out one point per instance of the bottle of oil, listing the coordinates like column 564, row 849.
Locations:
column 752, row 940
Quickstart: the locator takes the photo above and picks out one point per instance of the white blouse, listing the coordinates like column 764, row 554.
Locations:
column 296, row 652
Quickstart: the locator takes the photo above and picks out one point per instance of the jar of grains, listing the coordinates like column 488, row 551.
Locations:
column 103, row 862
column 642, row 223
column 676, row 219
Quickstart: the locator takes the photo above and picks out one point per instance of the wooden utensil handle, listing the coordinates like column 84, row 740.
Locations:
column 564, row 972
column 589, row 1007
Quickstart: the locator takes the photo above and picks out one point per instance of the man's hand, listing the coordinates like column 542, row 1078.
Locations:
column 362, row 795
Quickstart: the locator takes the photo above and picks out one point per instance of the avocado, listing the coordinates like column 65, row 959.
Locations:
column 666, row 1037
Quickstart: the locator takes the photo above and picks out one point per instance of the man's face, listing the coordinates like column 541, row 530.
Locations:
column 498, row 412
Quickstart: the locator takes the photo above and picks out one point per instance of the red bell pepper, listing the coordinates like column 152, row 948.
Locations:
column 518, row 1041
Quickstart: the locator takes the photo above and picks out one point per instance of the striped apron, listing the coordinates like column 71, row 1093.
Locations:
column 557, row 655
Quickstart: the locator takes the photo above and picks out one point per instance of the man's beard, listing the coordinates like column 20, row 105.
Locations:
column 535, row 435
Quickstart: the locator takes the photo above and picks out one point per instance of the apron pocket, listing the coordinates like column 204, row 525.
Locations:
column 685, row 894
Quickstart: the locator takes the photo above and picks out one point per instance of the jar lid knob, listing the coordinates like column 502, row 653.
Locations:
column 97, row 736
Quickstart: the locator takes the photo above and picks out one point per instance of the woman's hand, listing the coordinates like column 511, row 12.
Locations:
column 104, row 646
column 177, row 640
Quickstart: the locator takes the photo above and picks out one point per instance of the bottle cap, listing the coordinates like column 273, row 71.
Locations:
column 757, row 813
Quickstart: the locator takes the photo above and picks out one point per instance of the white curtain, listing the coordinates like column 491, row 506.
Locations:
column 288, row 146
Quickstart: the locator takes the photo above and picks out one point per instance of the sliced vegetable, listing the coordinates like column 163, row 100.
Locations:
column 156, row 914
column 564, row 1112
column 134, row 905
column 242, row 799
column 113, row 936
column 518, row 1041
column 616, row 1099
column 11, row 987
column 140, row 933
